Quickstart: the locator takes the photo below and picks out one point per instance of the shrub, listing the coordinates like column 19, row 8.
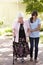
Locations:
column 8, row 30
column 1, row 23
column 41, row 27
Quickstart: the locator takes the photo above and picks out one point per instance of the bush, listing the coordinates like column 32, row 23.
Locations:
column 41, row 27
column 1, row 23
column 1, row 33
column 8, row 30
column 41, row 38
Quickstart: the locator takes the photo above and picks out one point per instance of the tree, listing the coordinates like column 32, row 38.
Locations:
column 33, row 5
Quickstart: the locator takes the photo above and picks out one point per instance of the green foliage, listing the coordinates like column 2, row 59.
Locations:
column 1, row 33
column 33, row 5
column 8, row 30
column 41, row 29
column 41, row 38
column 1, row 23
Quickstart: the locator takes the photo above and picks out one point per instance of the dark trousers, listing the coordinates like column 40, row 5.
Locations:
column 32, row 41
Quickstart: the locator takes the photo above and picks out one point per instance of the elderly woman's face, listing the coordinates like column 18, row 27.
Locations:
column 20, row 19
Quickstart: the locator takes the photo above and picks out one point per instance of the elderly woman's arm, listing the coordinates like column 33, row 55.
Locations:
column 13, row 31
column 28, row 30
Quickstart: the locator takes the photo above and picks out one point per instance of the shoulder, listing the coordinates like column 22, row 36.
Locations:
column 29, row 21
column 26, row 21
column 15, row 23
column 38, row 20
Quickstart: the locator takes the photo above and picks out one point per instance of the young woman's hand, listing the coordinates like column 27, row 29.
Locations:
column 36, row 29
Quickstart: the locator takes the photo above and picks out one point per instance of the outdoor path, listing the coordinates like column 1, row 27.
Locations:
column 6, row 55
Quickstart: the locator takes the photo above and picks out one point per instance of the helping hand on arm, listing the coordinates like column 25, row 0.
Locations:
column 36, row 29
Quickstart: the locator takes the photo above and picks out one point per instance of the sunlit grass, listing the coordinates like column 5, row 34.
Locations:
column 41, row 38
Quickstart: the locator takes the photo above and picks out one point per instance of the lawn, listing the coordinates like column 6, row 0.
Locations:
column 41, row 38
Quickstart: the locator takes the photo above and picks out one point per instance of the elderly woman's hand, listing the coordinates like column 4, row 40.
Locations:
column 14, row 32
column 29, row 31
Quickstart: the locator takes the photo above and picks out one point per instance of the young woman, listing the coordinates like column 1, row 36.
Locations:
column 34, row 34
column 20, row 31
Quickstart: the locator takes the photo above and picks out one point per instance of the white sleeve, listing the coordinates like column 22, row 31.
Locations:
column 14, row 25
column 39, row 21
column 14, row 28
column 28, row 24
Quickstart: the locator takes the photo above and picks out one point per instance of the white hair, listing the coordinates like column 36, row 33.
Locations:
column 20, row 14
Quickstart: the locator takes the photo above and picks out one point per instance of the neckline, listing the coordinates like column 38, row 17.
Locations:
column 35, row 20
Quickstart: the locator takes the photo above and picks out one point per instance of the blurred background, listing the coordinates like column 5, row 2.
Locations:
column 9, row 10
column 8, row 13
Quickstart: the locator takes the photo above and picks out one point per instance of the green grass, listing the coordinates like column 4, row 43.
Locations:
column 8, row 30
column 41, row 38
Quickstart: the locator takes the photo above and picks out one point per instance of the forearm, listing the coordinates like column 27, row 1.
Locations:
column 36, row 29
column 13, row 31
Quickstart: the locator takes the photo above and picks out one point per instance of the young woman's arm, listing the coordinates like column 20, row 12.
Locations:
column 36, row 29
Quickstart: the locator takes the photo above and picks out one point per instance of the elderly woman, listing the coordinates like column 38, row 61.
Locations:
column 20, row 32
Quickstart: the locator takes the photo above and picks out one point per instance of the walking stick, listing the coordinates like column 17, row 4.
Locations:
column 13, row 49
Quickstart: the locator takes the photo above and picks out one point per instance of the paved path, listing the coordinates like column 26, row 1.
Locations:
column 6, row 54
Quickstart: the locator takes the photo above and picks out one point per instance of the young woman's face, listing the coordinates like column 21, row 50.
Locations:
column 20, row 19
column 34, row 17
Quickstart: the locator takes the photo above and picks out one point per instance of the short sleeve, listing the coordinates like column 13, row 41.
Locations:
column 39, row 21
